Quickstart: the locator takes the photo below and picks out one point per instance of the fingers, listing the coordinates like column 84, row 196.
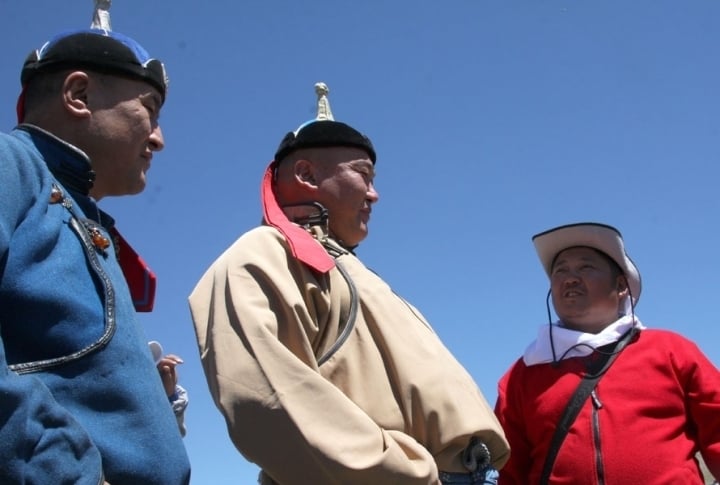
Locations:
column 168, row 374
column 169, row 379
column 170, row 360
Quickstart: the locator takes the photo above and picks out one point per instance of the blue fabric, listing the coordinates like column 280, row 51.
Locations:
column 140, row 53
column 484, row 476
column 67, row 315
column 40, row 442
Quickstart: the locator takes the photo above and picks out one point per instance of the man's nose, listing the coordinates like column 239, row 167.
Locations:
column 157, row 141
column 571, row 279
column 372, row 194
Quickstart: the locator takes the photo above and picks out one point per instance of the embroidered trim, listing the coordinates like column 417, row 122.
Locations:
column 81, row 229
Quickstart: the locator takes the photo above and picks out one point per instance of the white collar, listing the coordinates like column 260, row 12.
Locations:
column 572, row 343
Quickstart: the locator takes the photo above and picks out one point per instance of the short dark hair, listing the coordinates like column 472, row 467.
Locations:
column 41, row 88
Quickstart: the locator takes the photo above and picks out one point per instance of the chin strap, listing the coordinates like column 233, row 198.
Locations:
column 303, row 246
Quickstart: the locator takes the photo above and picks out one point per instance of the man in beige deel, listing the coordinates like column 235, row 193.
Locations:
column 324, row 374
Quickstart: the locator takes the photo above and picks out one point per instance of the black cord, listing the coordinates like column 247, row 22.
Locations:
column 556, row 361
column 550, row 326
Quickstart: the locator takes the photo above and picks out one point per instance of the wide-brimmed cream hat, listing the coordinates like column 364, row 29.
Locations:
column 602, row 237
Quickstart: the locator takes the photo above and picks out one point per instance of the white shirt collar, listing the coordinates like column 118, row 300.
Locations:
column 572, row 343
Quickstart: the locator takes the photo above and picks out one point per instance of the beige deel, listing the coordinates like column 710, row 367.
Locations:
column 386, row 407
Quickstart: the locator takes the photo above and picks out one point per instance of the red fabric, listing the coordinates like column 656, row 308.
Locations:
column 302, row 245
column 660, row 404
column 140, row 278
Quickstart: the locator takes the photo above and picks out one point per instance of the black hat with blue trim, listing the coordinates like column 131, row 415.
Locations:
column 324, row 132
column 99, row 50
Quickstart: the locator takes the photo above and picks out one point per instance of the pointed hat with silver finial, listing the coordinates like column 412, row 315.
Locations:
column 323, row 131
column 97, row 48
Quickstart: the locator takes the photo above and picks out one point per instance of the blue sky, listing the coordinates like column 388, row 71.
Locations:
column 493, row 120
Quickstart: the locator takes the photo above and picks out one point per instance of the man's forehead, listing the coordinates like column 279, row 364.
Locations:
column 585, row 253
column 134, row 88
column 338, row 155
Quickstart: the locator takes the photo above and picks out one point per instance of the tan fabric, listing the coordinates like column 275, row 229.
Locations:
column 391, row 405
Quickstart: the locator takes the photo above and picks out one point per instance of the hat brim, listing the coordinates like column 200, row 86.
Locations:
column 601, row 237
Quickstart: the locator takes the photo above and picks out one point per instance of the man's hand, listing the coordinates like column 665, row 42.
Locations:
column 166, row 366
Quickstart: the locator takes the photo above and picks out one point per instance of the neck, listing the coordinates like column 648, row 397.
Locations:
column 70, row 165
column 306, row 214
column 588, row 327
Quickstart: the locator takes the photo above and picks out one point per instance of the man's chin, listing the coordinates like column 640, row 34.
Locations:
column 351, row 240
column 134, row 190
column 140, row 186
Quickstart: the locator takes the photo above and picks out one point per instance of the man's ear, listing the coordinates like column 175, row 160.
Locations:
column 305, row 173
column 621, row 286
column 75, row 92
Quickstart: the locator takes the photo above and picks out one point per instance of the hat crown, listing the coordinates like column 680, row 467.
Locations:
column 97, row 48
column 323, row 131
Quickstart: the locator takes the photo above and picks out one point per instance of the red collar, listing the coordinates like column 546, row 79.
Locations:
column 140, row 278
column 303, row 246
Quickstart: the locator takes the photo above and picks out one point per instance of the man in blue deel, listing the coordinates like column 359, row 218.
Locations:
column 88, row 129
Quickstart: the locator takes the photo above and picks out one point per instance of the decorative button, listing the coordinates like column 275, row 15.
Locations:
column 56, row 194
column 98, row 240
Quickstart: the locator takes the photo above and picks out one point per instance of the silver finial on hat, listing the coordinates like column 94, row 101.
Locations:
column 101, row 15
column 324, row 112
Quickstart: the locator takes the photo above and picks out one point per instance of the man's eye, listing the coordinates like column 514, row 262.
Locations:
column 153, row 111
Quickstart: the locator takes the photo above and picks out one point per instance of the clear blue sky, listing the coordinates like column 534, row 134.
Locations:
column 493, row 120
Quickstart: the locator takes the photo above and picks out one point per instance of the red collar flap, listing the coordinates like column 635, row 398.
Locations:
column 140, row 278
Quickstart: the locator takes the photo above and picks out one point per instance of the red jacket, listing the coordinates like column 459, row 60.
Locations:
column 659, row 404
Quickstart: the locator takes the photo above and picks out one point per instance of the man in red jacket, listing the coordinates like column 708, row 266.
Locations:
column 646, row 415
